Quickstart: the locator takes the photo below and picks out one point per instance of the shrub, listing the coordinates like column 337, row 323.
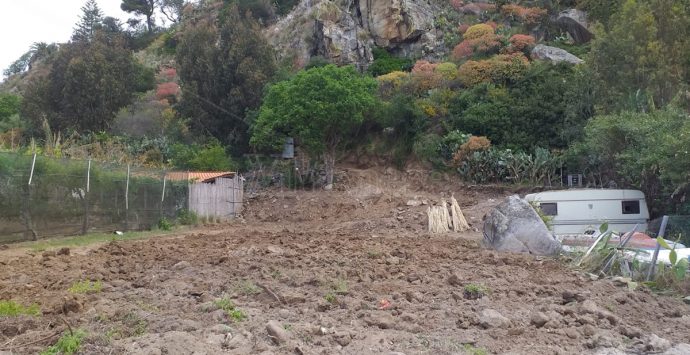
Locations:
column 448, row 71
column 473, row 144
column 530, row 16
column 424, row 77
column 391, row 82
column 477, row 39
column 499, row 69
column 478, row 31
column 521, row 43
column 167, row 91
column 475, row 72
column 68, row 343
column 187, row 218
column 385, row 63
column 164, row 224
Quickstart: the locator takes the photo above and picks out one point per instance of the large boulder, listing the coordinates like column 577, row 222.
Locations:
column 514, row 226
column 554, row 55
column 396, row 21
column 575, row 22
column 346, row 32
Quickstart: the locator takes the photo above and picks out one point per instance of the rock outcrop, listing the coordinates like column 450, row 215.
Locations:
column 554, row 55
column 345, row 33
column 575, row 22
column 514, row 226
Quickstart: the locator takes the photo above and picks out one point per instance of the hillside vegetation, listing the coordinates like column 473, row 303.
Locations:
column 509, row 92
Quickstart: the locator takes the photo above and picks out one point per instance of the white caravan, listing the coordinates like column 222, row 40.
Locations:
column 582, row 211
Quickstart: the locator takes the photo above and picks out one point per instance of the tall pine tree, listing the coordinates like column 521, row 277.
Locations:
column 89, row 22
column 224, row 66
column 141, row 8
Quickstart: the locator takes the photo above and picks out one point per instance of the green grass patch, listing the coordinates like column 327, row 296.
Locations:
column 248, row 288
column 471, row 350
column 14, row 309
column 475, row 291
column 86, row 286
column 330, row 298
column 94, row 238
column 68, row 343
column 236, row 314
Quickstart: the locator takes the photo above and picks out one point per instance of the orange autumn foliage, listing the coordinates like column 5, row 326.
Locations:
column 479, row 38
column 474, row 144
column 529, row 15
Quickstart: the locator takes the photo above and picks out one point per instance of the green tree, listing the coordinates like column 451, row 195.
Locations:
column 144, row 8
column 547, row 108
column 171, row 9
column 9, row 105
column 88, row 83
column 223, row 68
column 90, row 21
column 647, row 151
column 319, row 107
column 598, row 10
column 641, row 61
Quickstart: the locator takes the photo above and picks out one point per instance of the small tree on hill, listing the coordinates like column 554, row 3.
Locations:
column 319, row 107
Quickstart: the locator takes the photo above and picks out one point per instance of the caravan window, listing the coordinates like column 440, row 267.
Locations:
column 549, row 209
column 631, row 207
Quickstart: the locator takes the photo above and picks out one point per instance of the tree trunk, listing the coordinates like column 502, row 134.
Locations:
column 149, row 22
column 329, row 162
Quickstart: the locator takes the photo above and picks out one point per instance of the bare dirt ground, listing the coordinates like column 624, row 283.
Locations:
column 351, row 271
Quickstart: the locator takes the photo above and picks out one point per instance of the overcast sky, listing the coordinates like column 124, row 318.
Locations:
column 23, row 22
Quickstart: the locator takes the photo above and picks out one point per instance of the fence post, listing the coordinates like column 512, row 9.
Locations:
column 30, row 232
column 662, row 232
column 127, row 200
column 85, row 225
column 162, row 197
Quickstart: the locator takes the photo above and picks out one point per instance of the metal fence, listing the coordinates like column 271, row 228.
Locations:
column 42, row 197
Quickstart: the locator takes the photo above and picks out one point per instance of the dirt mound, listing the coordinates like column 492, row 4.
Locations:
column 350, row 272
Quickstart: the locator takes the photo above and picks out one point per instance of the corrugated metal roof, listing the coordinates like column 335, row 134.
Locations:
column 198, row 176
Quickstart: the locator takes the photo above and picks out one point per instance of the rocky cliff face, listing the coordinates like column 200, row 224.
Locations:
column 345, row 31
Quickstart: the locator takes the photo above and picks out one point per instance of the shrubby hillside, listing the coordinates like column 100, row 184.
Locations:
column 510, row 92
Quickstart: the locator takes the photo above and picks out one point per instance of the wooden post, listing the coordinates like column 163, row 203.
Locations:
column 162, row 197
column 85, row 200
column 662, row 231
column 127, row 200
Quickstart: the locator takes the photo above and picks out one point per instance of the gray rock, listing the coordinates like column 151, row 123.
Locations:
column 653, row 343
column 490, row 318
column 413, row 203
column 538, row 319
column 383, row 321
column 277, row 332
column 514, row 226
column 686, row 300
column 554, row 55
column 346, row 34
column 678, row 349
column 181, row 265
column 343, row 339
column 575, row 22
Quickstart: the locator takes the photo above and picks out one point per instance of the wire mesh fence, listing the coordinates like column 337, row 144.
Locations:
column 677, row 228
column 42, row 197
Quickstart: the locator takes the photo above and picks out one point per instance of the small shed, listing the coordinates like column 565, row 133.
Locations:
column 215, row 195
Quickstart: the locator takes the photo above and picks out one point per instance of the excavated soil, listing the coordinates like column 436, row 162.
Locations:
column 351, row 271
